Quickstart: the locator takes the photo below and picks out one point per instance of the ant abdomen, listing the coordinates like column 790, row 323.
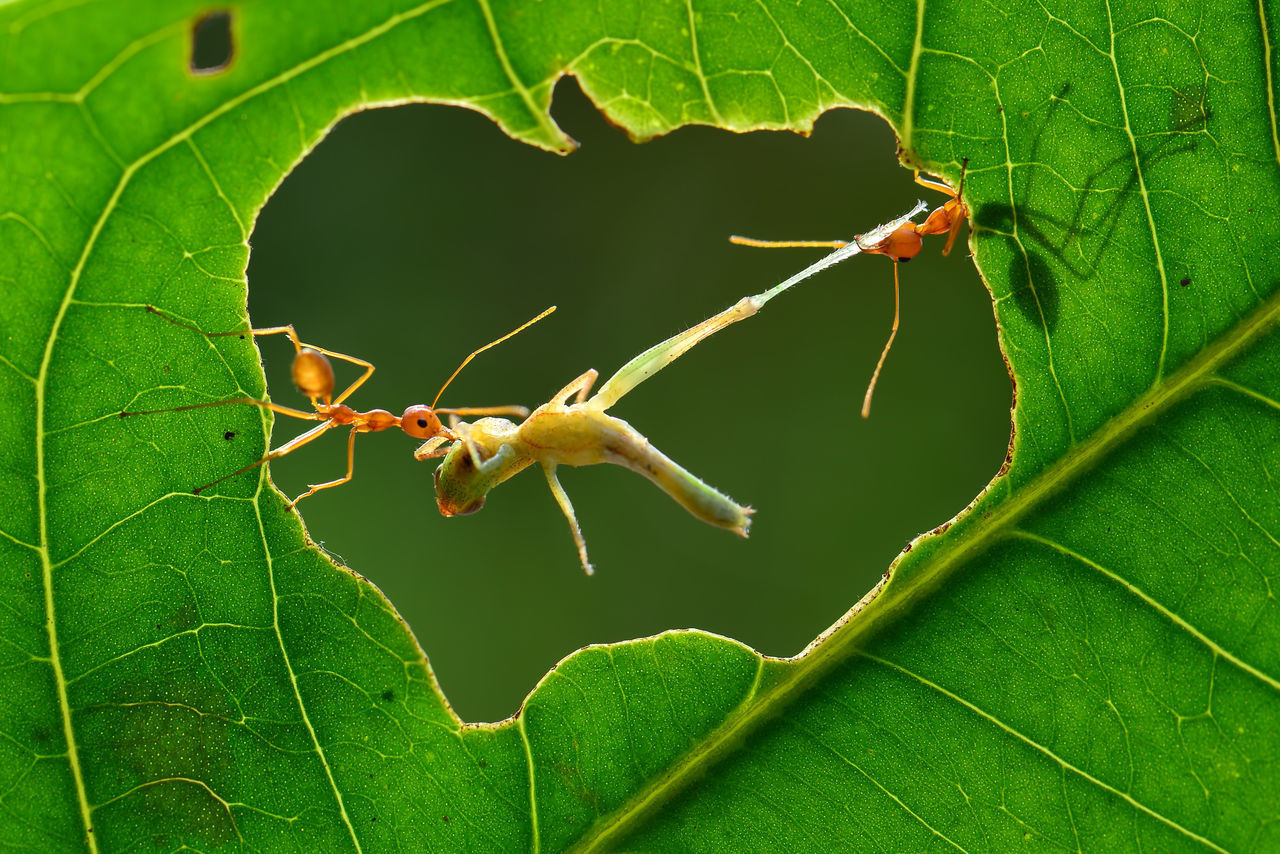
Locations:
column 313, row 374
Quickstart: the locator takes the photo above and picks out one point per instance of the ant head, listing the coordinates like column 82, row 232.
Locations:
column 313, row 375
column 421, row 422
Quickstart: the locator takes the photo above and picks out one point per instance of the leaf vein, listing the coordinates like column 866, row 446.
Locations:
column 873, row 781
column 1271, row 86
column 539, row 116
column 1146, row 202
column 1212, row 645
column 533, row 788
column 1040, row 748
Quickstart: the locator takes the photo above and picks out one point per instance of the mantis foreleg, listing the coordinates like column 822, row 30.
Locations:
column 581, row 387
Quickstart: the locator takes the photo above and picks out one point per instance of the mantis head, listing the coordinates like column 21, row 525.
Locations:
column 484, row 456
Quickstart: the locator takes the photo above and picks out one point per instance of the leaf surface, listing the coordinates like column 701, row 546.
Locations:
column 1087, row 658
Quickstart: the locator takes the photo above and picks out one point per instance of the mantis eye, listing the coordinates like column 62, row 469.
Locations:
column 421, row 422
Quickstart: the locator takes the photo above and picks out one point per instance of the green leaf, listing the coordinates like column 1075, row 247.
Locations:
column 1085, row 659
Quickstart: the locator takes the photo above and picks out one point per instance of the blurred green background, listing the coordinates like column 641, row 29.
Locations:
column 413, row 235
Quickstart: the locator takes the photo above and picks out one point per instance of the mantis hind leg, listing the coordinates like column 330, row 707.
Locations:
column 660, row 355
column 566, row 507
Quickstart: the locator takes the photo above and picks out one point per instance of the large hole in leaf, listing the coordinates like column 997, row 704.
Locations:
column 412, row 236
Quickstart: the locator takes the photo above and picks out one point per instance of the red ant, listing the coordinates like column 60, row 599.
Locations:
column 313, row 375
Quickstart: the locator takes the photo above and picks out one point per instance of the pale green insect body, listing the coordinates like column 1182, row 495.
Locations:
column 572, row 435
column 580, row 433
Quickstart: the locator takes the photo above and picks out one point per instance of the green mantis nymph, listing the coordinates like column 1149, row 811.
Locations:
column 491, row 450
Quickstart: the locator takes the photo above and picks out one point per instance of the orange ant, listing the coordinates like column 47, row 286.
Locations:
column 902, row 244
column 313, row 375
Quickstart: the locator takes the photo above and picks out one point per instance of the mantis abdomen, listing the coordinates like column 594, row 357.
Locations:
column 579, row 435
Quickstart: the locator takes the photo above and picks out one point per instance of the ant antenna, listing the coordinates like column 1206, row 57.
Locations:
column 513, row 332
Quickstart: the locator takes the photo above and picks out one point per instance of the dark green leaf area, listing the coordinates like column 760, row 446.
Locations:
column 1086, row 659
column 1010, row 715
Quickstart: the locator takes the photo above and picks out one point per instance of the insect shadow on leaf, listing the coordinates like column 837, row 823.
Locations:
column 1037, row 288
column 1038, row 299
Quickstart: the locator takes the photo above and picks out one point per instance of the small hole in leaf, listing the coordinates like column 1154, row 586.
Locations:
column 211, row 46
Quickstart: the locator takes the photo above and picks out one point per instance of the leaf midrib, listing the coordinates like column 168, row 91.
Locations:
column 889, row 601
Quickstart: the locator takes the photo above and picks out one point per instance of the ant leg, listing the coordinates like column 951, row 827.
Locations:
column 961, row 213
column 935, row 185
column 787, row 244
column 298, row 346
column 871, row 387
column 287, row 448
column 950, row 216
column 266, row 330
column 580, row 387
column 360, row 363
column 957, row 219
column 274, row 407
column 566, row 507
column 313, row 488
